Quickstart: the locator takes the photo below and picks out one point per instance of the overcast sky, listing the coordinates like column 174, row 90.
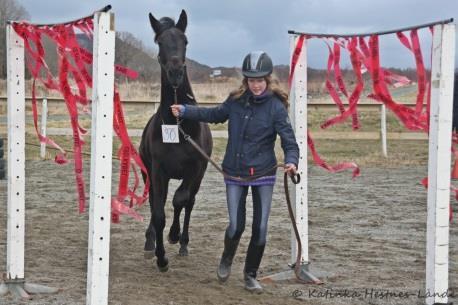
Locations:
column 221, row 32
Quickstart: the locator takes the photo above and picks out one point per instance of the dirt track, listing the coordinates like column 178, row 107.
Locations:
column 367, row 233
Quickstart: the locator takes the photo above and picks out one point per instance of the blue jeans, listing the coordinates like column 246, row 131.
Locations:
column 236, row 206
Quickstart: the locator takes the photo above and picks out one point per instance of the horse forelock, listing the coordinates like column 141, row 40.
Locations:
column 166, row 23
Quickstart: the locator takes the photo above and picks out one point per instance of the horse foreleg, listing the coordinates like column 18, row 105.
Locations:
column 154, row 234
column 159, row 224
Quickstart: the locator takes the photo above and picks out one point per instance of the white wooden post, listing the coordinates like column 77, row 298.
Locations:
column 383, row 129
column 298, row 115
column 16, row 155
column 439, row 164
column 44, row 117
column 101, row 152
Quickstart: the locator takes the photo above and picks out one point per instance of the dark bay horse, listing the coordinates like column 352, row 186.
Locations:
column 165, row 161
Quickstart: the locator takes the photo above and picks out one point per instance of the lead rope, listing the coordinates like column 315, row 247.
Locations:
column 175, row 102
column 295, row 179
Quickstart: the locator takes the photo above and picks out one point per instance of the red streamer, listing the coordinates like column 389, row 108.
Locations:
column 73, row 64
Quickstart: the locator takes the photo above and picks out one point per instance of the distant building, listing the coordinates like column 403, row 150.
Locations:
column 216, row 73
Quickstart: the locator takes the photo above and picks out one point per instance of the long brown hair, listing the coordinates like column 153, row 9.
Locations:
column 272, row 85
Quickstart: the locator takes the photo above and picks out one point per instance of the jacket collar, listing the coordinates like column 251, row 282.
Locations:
column 257, row 99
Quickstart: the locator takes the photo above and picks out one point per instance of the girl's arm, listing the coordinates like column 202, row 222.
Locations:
column 218, row 114
column 284, row 129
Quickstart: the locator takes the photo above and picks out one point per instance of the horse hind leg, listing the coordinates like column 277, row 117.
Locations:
column 194, row 185
column 150, row 234
column 150, row 243
column 184, row 238
column 180, row 199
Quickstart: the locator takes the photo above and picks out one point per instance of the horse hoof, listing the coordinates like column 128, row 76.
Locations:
column 164, row 268
column 183, row 251
column 173, row 241
column 148, row 254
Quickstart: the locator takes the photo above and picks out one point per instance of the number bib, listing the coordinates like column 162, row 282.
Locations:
column 170, row 134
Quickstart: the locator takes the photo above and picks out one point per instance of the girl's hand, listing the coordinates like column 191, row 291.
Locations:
column 290, row 169
column 177, row 110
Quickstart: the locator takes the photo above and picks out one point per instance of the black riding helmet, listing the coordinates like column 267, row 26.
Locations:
column 257, row 64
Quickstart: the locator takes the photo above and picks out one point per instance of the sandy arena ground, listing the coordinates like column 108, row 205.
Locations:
column 364, row 234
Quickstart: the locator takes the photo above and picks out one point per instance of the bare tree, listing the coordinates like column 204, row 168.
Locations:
column 9, row 10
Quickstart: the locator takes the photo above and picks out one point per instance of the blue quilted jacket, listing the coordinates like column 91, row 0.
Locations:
column 254, row 122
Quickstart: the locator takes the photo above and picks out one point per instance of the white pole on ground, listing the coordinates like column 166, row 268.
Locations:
column 44, row 117
column 440, row 134
column 16, row 155
column 298, row 114
column 101, row 152
column 383, row 129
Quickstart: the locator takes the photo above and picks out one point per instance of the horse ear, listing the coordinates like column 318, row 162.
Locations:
column 156, row 25
column 183, row 21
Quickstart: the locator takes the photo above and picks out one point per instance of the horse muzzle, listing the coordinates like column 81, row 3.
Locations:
column 175, row 76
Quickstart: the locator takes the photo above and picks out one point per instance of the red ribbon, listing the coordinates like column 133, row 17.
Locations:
column 318, row 160
column 73, row 63
column 297, row 52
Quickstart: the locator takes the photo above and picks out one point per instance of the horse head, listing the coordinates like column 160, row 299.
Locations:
column 172, row 42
